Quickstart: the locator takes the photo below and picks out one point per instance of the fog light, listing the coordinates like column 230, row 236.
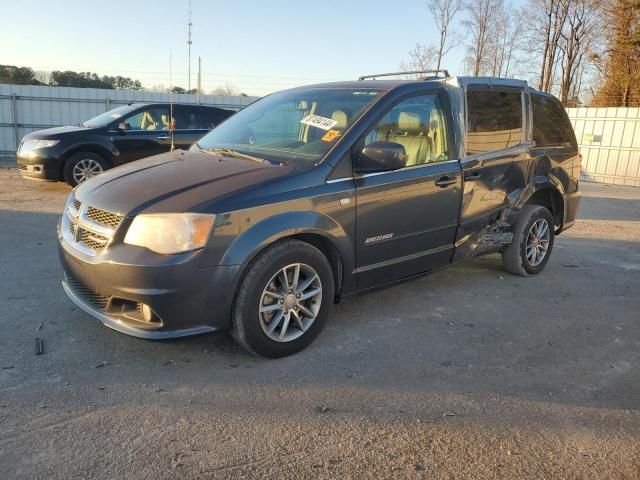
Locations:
column 147, row 314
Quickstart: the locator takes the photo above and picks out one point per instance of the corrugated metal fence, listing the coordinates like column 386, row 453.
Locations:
column 25, row 108
column 609, row 140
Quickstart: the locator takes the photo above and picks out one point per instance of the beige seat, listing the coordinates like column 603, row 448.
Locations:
column 341, row 118
column 411, row 134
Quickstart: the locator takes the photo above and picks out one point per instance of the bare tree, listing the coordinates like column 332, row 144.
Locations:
column 443, row 12
column 504, row 41
column 421, row 58
column 577, row 37
column 226, row 90
column 553, row 21
column 480, row 24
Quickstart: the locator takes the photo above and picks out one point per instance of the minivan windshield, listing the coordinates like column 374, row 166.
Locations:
column 106, row 118
column 301, row 124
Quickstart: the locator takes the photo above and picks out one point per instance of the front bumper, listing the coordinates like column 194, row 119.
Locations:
column 185, row 299
column 42, row 167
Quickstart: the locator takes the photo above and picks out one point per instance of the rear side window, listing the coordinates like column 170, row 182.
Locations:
column 494, row 120
column 551, row 125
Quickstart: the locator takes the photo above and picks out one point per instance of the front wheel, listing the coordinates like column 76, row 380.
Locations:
column 533, row 238
column 283, row 301
column 83, row 165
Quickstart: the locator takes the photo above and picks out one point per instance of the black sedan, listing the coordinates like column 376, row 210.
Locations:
column 119, row 136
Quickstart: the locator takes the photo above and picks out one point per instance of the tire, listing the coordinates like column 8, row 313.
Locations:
column 91, row 163
column 522, row 256
column 255, row 310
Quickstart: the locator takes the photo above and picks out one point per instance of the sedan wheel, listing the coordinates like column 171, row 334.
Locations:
column 85, row 169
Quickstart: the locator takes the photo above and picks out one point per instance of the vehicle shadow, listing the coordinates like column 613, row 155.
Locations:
column 568, row 335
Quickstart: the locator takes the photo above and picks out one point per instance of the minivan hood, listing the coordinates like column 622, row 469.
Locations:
column 174, row 182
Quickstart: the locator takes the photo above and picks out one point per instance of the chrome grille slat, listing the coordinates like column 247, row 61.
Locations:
column 108, row 219
column 87, row 228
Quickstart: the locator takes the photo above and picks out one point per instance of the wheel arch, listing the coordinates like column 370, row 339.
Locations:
column 96, row 148
column 548, row 194
column 313, row 228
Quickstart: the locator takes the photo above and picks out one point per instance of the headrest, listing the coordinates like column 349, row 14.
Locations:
column 340, row 117
column 409, row 122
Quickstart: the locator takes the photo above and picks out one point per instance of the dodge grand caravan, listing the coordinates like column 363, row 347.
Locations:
column 121, row 135
column 315, row 193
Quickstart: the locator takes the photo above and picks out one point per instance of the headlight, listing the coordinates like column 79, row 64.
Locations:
column 34, row 144
column 169, row 233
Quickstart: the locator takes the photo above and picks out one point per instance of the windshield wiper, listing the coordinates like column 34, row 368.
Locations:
column 233, row 153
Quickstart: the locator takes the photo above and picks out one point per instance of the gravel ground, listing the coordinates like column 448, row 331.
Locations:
column 467, row 373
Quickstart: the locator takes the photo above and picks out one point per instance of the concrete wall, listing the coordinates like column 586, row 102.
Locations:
column 25, row 108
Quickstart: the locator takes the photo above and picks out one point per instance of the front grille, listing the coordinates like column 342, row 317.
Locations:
column 89, row 228
column 108, row 219
column 93, row 240
column 89, row 296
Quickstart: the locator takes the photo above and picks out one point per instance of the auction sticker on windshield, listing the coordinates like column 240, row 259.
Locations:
column 320, row 122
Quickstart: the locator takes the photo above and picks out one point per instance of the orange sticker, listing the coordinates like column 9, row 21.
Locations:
column 331, row 135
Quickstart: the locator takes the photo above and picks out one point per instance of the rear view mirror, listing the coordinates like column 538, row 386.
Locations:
column 381, row 157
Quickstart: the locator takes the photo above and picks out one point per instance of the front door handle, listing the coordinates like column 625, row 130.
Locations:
column 445, row 182
column 472, row 175
column 163, row 137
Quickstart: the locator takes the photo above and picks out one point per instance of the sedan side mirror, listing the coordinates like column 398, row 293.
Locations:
column 381, row 157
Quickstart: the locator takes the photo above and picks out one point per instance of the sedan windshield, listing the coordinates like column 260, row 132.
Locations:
column 300, row 124
column 106, row 118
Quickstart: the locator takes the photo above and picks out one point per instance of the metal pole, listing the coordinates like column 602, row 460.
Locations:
column 199, row 78
column 189, row 44
column 108, row 103
column 14, row 114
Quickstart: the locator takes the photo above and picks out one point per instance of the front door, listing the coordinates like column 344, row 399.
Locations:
column 142, row 134
column 407, row 219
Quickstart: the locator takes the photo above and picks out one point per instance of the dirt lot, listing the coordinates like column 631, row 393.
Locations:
column 467, row 373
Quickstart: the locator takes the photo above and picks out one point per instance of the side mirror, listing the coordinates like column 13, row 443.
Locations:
column 121, row 127
column 381, row 157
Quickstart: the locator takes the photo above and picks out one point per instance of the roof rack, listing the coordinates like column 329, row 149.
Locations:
column 435, row 73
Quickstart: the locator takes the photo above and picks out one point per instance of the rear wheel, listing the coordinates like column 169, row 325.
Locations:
column 83, row 165
column 532, row 244
column 284, row 299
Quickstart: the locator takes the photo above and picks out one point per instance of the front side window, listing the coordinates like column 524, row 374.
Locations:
column 418, row 124
column 551, row 125
column 153, row 118
column 295, row 125
column 494, row 120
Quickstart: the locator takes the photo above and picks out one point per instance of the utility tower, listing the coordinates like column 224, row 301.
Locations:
column 189, row 46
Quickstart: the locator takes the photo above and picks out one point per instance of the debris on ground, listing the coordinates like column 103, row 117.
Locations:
column 39, row 346
column 322, row 409
column 100, row 365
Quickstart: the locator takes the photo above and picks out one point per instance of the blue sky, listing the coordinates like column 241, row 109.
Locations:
column 256, row 46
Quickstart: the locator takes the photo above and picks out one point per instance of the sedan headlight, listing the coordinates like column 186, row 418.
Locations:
column 169, row 233
column 35, row 144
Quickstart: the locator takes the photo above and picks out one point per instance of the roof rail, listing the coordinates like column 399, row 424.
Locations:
column 435, row 73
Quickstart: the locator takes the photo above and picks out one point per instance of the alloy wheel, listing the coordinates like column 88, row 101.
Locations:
column 86, row 169
column 538, row 242
column 290, row 302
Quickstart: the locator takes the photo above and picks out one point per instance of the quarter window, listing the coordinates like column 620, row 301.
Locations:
column 494, row 120
column 418, row 124
column 551, row 125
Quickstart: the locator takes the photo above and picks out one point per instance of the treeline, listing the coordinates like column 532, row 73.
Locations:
column 579, row 50
column 27, row 76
